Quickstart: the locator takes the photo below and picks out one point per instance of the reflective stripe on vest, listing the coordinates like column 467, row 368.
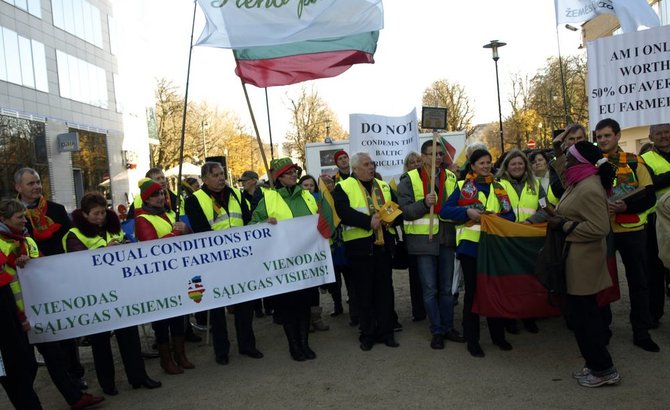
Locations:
column 359, row 202
column 161, row 226
column 277, row 208
column 526, row 206
column 421, row 226
column 471, row 232
column 223, row 220
column 94, row 242
column 659, row 165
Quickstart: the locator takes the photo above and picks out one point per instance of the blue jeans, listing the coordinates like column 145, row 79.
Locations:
column 437, row 274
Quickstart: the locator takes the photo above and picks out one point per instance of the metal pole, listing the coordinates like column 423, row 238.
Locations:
column 267, row 108
column 183, row 121
column 204, row 141
column 502, row 143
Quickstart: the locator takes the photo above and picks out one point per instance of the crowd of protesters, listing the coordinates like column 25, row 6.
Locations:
column 592, row 195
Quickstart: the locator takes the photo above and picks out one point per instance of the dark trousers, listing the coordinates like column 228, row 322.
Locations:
column 165, row 328
column 415, row 290
column 70, row 348
column 587, row 325
column 632, row 248
column 374, row 295
column 656, row 272
column 128, row 339
column 470, row 319
column 17, row 355
column 56, row 362
column 244, row 315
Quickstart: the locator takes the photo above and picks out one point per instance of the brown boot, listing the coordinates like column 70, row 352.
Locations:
column 180, row 353
column 167, row 364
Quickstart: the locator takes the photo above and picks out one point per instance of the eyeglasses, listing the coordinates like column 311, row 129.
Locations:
column 290, row 171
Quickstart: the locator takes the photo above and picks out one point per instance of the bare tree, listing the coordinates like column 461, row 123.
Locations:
column 452, row 96
column 311, row 120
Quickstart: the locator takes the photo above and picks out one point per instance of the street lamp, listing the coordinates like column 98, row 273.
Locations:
column 494, row 45
column 204, row 124
column 328, row 140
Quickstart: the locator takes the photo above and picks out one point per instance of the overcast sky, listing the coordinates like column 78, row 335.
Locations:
column 422, row 41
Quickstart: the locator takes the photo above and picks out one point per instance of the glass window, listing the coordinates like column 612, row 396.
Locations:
column 81, row 81
column 11, row 42
column 22, row 144
column 92, row 161
column 111, row 23
column 79, row 18
column 26, row 55
column 40, row 66
column 57, row 12
column 664, row 11
column 35, row 8
column 3, row 60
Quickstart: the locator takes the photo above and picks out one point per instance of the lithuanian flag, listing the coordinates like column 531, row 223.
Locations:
column 328, row 218
column 506, row 283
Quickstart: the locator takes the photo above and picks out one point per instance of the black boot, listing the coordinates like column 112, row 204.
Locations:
column 291, row 331
column 303, row 337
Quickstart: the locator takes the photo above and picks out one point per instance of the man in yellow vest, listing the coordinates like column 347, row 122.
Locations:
column 629, row 219
column 369, row 248
column 341, row 159
column 434, row 256
column 157, row 175
column 216, row 206
column 658, row 163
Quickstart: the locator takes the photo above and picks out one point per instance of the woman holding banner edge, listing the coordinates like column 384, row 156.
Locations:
column 152, row 221
column 95, row 227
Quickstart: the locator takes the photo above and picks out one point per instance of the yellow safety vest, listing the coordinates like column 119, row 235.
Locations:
column 526, row 205
column 421, row 226
column 161, row 226
column 137, row 204
column 277, row 208
column 471, row 232
column 659, row 165
column 359, row 202
column 642, row 215
column 7, row 246
column 93, row 242
column 222, row 220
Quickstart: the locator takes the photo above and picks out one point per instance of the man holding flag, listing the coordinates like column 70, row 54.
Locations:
column 435, row 254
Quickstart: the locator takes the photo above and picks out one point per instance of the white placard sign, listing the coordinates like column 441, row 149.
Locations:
column 81, row 293
column 629, row 78
column 387, row 139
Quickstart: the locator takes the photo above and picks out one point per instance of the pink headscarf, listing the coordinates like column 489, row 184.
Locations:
column 581, row 171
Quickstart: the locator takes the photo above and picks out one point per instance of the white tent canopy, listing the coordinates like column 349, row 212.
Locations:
column 188, row 169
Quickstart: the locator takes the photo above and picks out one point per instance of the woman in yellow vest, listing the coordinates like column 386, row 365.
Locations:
column 288, row 200
column 95, row 227
column 152, row 221
column 474, row 196
column 17, row 355
column 524, row 191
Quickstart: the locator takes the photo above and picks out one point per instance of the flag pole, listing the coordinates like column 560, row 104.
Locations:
column 431, row 215
column 267, row 109
column 258, row 135
column 183, row 120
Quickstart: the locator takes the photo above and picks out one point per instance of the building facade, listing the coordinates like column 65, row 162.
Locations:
column 61, row 103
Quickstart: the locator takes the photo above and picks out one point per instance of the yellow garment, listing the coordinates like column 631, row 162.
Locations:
column 663, row 228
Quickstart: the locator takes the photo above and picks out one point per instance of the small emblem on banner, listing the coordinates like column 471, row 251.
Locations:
column 195, row 289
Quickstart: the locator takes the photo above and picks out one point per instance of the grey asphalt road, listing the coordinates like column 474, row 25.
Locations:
column 535, row 374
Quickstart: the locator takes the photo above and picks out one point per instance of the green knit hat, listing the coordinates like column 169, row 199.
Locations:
column 281, row 165
column 148, row 187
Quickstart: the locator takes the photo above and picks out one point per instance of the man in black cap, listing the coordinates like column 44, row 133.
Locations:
column 250, row 189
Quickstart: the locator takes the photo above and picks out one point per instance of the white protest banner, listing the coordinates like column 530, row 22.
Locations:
column 629, row 78
column 243, row 23
column 631, row 13
column 387, row 139
column 80, row 293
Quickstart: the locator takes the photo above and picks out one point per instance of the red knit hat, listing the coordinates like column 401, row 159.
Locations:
column 338, row 154
column 148, row 187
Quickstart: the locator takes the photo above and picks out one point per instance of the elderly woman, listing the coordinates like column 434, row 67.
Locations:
column 288, row 200
column 95, row 227
column 19, row 361
column 583, row 216
column 474, row 196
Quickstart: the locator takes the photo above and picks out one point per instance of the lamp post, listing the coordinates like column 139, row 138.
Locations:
column 494, row 45
column 204, row 124
column 328, row 140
